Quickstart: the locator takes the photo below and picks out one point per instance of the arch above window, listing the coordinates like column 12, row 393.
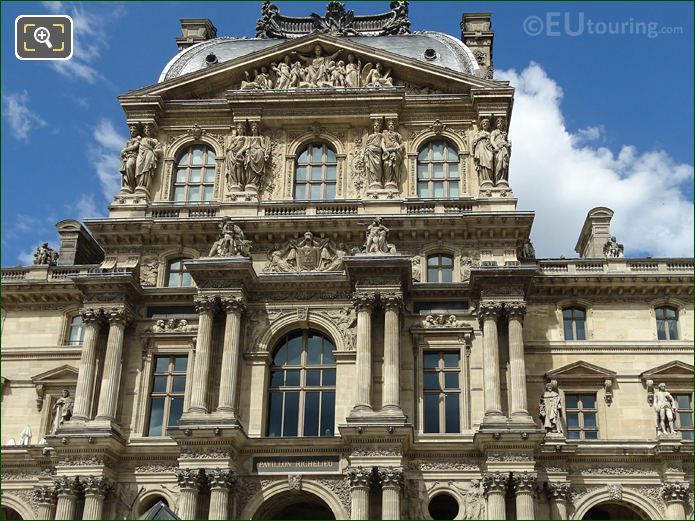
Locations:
column 316, row 173
column 438, row 170
column 194, row 175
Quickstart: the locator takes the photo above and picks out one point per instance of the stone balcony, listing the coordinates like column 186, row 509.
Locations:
column 615, row 266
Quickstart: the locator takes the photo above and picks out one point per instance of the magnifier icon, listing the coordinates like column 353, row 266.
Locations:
column 42, row 35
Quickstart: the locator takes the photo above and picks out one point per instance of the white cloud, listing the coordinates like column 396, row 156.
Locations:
column 86, row 208
column 20, row 118
column 104, row 157
column 562, row 175
column 26, row 258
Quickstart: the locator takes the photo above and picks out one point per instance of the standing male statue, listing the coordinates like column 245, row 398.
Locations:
column 128, row 157
column 149, row 154
column 666, row 409
column 62, row 410
column 550, row 411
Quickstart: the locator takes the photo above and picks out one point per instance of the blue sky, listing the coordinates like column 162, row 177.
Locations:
column 615, row 111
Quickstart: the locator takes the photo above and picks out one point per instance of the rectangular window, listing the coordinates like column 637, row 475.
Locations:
column 166, row 396
column 685, row 414
column 441, row 380
column 574, row 321
column 581, row 412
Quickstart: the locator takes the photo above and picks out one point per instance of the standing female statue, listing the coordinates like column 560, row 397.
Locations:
column 128, row 157
column 352, row 72
column 483, row 153
column 149, row 154
column 315, row 71
column 257, row 157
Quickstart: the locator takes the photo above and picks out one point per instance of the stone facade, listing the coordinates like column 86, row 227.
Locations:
column 406, row 248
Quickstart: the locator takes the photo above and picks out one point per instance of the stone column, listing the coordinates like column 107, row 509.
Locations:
column 68, row 489
column 392, row 366
column 558, row 494
column 524, row 484
column 495, row 485
column 111, row 378
column 488, row 314
column 45, row 498
column 229, row 377
column 675, row 495
column 221, row 482
column 189, row 486
column 91, row 322
column 206, row 309
column 95, row 490
column 391, row 479
column 517, row 364
column 360, row 481
column 363, row 379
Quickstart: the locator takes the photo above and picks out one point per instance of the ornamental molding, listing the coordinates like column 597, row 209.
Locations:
column 430, row 465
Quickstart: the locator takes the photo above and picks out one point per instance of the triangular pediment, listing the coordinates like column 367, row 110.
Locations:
column 407, row 73
column 63, row 374
column 580, row 371
column 674, row 370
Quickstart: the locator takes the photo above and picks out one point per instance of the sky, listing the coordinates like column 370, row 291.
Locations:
column 603, row 111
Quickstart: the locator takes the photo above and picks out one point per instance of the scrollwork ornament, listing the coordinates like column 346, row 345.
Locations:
column 45, row 495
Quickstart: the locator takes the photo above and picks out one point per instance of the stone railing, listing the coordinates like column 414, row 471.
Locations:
column 172, row 210
column 611, row 266
column 45, row 273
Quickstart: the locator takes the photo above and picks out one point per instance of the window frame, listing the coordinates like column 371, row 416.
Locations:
column 302, row 388
column 68, row 334
column 307, row 182
column 181, row 273
column 441, row 370
column 439, row 267
column 168, row 394
column 447, row 166
column 580, row 411
column 691, row 411
column 206, row 164
column 667, row 320
column 573, row 308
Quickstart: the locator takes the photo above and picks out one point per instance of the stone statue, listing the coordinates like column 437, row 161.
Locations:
column 377, row 235
column 232, row 242
column 256, row 157
column 483, row 154
column 307, row 254
column 283, row 73
column 613, row 248
column 25, row 436
column 260, row 81
column 393, row 155
column 337, row 73
column 372, row 150
column 62, row 410
column 234, row 159
column 376, row 77
column 128, row 157
column 666, row 411
column 399, row 23
column 149, row 154
column 503, row 150
column 315, row 74
column 474, row 502
column 353, row 71
column 46, row 256
column 267, row 26
column 337, row 20
column 528, row 251
column 550, row 411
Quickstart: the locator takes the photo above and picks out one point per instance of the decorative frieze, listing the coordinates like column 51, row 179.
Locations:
column 172, row 325
column 434, row 465
column 306, row 255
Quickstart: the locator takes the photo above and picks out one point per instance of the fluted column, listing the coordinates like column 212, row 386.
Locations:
column 221, row 482
column 95, row 491
column 229, row 377
column 558, row 494
column 206, row 309
column 190, row 482
column 360, row 481
column 111, row 378
column 45, row 498
column 68, row 490
column 495, row 485
column 488, row 314
column 391, row 479
column 517, row 364
column 675, row 495
column 91, row 322
column 524, row 484
column 393, row 302
column 364, row 303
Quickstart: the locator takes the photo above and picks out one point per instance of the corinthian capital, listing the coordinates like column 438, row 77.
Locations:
column 524, row 482
column 92, row 316
column 392, row 301
column 675, row 491
column 516, row 310
column 489, row 311
column 359, row 477
column 558, row 491
column 495, row 482
column 391, row 477
column 190, row 479
column 233, row 304
column 222, row 478
column 45, row 495
column 364, row 301
column 67, row 486
column 205, row 303
column 96, row 486
column 117, row 316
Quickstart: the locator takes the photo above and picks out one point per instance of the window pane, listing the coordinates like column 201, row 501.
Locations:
column 195, row 175
column 673, row 330
column 194, row 193
column 573, row 435
column 328, row 377
column 452, row 153
column 687, row 435
column 179, row 384
column 289, row 426
column 670, row 313
column 438, row 170
column 180, row 193
column 661, row 329
column 572, row 419
column 432, row 275
column 453, row 189
column 156, row 417
column 683, row 400
column 277, row 378
column 439, row 189
column 422, row 156
column 451, row 406
column 423, row 171
column 209, row 176
column 292, row 377
column 330, row 172
column 175, row 410
column 311, row 414
column 579, row 326
column 186, row 280
column 302, row 160
column 589, row 401
column 431, row 381
column 314, row 349
column 197, row 156
column 328, row 358
column 315, row 192
column 451, row 380
column 162, row 365
column 160, row 384
column 182, row 175
column 180, row 363
column 294, row 350
column 330, row 155
column 275, row 414
column 589, row 420
column 569, row 335
column 437, row 151
column 431, row 360
column 299, row 192
column 301, row 173
column 208, row 193
column 591, row 435
column 447, row 261
column 447, row 275
column 571, row 401
column 184, row 159
column 327, row 414
column 431, row 413
column 423, row 190
column 329, row 191
column 579, row 314
column 686, row 419
column 313, row 377
column 451, row 359
column 211, row 156
column 315, row 173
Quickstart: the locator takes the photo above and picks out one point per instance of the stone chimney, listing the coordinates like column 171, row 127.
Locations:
column 195, row 30
column 477, row 35
column 77, row 246
column 595, row 233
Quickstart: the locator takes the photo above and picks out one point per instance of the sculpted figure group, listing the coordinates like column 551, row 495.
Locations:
column 307, row 254
column 491, row 153
column 383, row 154
column 318, row 71
column 45, row 255
column 140, row 157
column 247, row 158
column 232, row 242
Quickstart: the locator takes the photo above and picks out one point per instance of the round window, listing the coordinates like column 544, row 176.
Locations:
column 430, row 54
column 443, row 506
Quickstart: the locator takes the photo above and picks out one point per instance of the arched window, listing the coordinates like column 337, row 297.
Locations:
column 438, row 170
column 440, row 268
column 302, row 386
column 316, row 173
column 75, row 331
column 574, row 322
column 194, row 179
column 666, row 323
column 177, row 276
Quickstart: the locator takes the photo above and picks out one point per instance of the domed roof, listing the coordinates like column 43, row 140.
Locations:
column 429, row 47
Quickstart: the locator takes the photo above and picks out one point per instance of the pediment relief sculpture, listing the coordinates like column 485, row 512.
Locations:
column 172, row 325
column 232, row 242
column 440, row 321
column 306, row 255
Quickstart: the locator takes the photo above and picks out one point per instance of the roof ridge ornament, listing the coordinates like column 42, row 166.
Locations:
column 336, row 21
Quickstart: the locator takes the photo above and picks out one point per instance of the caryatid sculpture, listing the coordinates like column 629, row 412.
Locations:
column 503, row 150
column 257, row 158
column 393, row 155
column 129, row 156
column 484, row 154
column 377, row 239
column 149, row 155
column 234, row 159
column 550, row 410
column 372, row 151
column 666, row 411
column 232, row 242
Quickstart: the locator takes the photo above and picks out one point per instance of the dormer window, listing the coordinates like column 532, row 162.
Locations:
column 194, row 180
